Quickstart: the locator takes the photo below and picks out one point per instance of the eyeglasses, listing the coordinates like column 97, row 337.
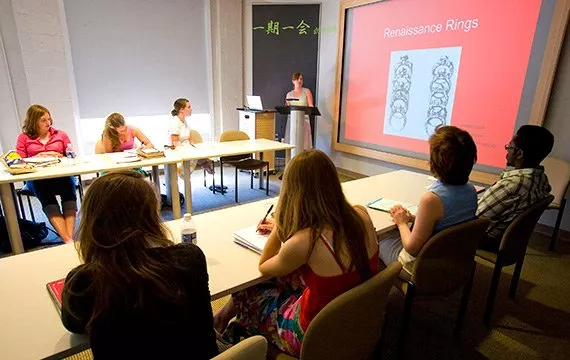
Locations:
column 510, row 147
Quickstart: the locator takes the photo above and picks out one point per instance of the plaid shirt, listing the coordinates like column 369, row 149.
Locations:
column 513, row 193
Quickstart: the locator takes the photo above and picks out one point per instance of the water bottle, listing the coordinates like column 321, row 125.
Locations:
column 69, row 154
column 188, row 230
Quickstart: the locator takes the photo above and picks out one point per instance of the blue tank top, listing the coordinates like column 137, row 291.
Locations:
column 459, row 203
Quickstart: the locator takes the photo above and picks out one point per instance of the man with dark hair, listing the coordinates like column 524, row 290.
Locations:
column 517, row 189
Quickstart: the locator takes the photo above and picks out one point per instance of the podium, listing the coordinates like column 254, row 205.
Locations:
column 297, row 124
column 259, row 125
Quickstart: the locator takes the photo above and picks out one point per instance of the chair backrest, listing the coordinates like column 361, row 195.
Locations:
column 446, row 260
column 558, row 172
column 196, row 137
column 234, row 135
column 350, row 326
column 516, row 236
column 252, row 348
column 99, row 147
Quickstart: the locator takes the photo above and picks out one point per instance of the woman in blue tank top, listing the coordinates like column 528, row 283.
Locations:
column 450, row 200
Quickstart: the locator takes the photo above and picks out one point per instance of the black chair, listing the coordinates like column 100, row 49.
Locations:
column 241, row 162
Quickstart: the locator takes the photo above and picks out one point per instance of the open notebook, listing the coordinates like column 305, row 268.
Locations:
column 251, row 239
column 384, row 204
column 55, row 289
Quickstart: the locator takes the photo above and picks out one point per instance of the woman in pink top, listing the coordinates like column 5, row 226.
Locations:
column 117, row 136
column 317, row 236
column 39, row 138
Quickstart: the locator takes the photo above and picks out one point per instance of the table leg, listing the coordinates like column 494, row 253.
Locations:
column 173, row 188
column 261, row 172
column 11, row 218
column 187, row 185
column 156, row 177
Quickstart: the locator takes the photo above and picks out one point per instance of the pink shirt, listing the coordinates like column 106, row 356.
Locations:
column 28, row 147
column 130, row 142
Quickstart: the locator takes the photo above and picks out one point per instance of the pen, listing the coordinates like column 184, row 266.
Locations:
column 268, row 211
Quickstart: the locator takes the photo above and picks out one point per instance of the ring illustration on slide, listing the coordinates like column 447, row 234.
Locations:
column 401, row 93
column 440, row 87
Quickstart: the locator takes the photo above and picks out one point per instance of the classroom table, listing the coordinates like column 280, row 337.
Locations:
column 31, row 326
column 107, row 162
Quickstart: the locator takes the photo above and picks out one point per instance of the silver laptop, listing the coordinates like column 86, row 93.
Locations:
column 254, row 102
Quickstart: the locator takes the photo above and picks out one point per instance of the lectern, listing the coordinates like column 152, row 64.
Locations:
column 259, row 124
column 297, row 123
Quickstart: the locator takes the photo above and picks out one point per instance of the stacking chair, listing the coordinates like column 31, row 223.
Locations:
column 252, row 348
column 350, row 326
column 444, row 265
column 197, row 139
column 241, row 162
column 512, row 251
column 558, row 172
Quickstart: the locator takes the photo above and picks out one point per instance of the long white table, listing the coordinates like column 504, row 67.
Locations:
column 31, row 326
column 106, row 162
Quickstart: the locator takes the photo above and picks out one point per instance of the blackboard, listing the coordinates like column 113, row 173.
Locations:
column 285, row 41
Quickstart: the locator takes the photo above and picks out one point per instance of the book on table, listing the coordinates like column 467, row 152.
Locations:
column 384, row 204
column 150, row 153
column 251, row 239
column 55, row 290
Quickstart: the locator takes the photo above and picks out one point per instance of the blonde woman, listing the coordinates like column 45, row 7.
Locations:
column 40, row 138
column 316, row 235
column 136, row 295
column 118, row 136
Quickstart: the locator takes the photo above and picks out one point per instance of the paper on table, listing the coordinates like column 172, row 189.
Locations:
column 384, row 204
column 124, row 157
column 251, row 239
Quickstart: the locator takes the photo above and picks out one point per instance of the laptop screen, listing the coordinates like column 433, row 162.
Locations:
column 254, row 102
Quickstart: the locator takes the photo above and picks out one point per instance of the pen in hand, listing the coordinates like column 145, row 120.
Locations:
column 267, row 213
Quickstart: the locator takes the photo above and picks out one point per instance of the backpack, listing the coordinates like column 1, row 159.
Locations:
column 32, row 234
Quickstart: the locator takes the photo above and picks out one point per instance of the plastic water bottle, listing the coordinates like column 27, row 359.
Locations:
column 69, row 154
column 188, row 230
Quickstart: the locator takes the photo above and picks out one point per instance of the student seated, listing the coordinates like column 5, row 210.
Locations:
column 316, row 236
column 118, row 136
column 137, row 295
column 449, row 201
column 516, row 189
column 40, row 138
column 179, row 132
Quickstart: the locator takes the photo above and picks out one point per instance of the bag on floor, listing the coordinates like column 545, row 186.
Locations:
column 32, row 234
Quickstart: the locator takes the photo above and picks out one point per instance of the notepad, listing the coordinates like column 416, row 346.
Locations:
column 251, row 239
column 55, row 289
column 384, row 204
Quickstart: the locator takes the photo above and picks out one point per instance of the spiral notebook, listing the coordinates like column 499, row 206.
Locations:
column 251, row 239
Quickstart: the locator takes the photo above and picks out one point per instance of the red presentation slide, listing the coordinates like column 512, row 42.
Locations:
column 412, row 65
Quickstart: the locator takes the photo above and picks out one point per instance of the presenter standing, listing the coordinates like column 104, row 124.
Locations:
column 302, row 97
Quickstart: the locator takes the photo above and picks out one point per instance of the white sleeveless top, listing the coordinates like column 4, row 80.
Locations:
column 302, row 99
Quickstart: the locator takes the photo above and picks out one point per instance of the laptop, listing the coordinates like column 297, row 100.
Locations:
column 254, row 102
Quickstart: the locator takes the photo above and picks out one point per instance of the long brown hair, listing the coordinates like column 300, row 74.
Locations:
column 33, row 115
column 119, row 223
column 311, row 197
column 114, row 121
column 178, row 105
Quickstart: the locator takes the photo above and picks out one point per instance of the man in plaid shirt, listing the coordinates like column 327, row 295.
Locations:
column 517, row 189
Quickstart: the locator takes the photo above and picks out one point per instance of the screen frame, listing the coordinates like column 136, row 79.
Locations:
column 536, row 117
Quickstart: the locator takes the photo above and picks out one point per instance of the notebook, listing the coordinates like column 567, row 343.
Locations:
column 251, row 239
column 254, row 102
column 55, row 289
column 384, row 204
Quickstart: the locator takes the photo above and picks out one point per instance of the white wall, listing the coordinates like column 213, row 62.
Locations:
column 38, row 66
column 137, row 56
